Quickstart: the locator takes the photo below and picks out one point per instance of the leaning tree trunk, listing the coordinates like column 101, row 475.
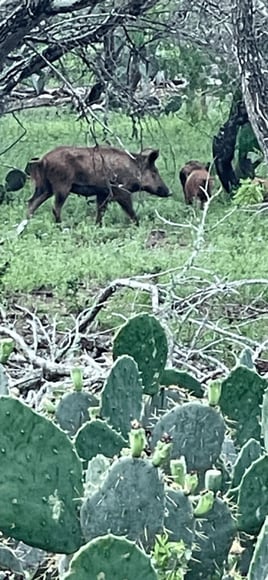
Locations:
column 253, row 77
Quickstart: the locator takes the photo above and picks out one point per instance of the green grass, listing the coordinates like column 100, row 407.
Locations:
column 76, row 260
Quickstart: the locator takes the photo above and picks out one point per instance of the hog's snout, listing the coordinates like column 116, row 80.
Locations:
column 163, row 192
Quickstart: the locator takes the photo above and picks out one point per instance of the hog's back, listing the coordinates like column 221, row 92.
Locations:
column 95, row 165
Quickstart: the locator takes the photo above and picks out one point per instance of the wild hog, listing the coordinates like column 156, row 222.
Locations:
column 106, row 172
column 198, row 186
column 188, row 168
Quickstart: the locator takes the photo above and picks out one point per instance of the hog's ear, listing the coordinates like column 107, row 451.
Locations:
column 150, row 155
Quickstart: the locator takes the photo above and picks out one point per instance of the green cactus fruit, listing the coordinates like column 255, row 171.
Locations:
column 214, row 534
column 191, row 483
column 73, row 410
column 162, row 450
column 181, row 379
column 9, row 560
column 137, row 439
column 15, row 180
column 122, row 395
column 96, row 472
column 240, row 400
column 143, row 338
column 264, row 420
column 179, row 519
column 6, row 348
column 214, row 393
column 97, row 437
column 250, row 451
column 4, row 387
column 110, row 558
column 178, row 470
column 197, row 432
column 204, row 504
column 253, row 496
column 130, row 503
column 213, row 479
column 77, row 378
column 258, row 569
column 40, row 480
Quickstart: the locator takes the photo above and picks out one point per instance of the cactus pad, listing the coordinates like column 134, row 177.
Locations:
column 40, row 480
column 143, row 338
column 258, row 569
column 110, row 558
column 253, row 496
column 122, row 395
column 240, row 400
column 97, row 437
column 72, row 410
column 179, row 520
column 181, row 379
column 248, row 453
column 197, row 432
column 213, row 539
column 130, row 503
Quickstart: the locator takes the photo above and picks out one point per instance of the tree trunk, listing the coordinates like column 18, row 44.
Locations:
column 253, row 77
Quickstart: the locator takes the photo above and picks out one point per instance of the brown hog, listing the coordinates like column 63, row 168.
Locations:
column 188, row 168
column 106, row 172
column 198, row 186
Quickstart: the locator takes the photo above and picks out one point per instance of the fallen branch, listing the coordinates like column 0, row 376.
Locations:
column 88, row 316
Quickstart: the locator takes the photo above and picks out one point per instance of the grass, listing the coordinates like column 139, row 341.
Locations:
column 76, row 260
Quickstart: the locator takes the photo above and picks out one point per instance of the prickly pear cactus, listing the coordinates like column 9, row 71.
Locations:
column 122, row 395
column 258, row 569
column 179, row 519
column 143, row 338
column 110, row 558
column 197, row 432
column 253, row 496
column 40, row 480
column 97, row 437
column 73, row 410
column 214, row 535
column 181, row 379
column 240, row 401
column 130, row 503
column 251, row 451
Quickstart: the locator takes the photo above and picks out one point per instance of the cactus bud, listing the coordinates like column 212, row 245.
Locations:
column 214, row 393
column 213, row 479
column 191, row 482
column 137, row 439
column 162, row 450
column 205, row 503
column 77, row 378
column 178, row 470
column 6, row 348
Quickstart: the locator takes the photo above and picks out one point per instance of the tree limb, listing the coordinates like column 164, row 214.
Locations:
column 254, row 77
